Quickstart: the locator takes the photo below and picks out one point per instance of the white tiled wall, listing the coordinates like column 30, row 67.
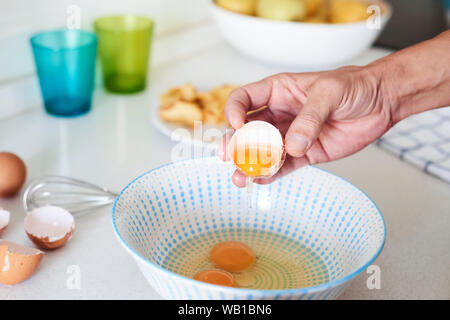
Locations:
column 21, row 18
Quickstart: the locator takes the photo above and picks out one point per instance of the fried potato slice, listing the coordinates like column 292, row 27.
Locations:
column 212, row 118
column 184, row 105
column 223, row 92
column 182, row 112
column 186, row 92
column 214, row 102
column 209, row 102
column 212, row 108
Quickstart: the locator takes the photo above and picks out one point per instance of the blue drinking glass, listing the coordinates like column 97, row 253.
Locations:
column 65, row 64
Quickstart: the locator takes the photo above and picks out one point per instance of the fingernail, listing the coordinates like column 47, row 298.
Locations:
column 296, row 144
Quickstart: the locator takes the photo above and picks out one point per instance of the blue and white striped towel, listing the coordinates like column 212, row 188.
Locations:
column 423, row 140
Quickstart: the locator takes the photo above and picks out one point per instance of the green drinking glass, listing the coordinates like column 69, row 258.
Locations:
column 124, row 44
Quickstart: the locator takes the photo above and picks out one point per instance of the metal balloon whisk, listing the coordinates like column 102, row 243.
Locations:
column 76, row 196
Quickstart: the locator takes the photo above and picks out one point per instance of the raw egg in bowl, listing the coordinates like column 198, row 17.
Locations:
column 193, row 235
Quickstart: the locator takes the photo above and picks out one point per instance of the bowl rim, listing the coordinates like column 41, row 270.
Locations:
column 386, row 15
column 240, row 291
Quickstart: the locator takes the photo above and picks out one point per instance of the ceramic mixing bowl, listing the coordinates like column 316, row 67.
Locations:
column 336, row 223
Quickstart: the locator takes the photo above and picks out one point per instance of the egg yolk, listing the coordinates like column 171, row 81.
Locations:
column 232, row 256
column 256, row 161
column 219, row 277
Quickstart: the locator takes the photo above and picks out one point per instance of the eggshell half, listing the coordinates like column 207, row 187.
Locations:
column 258, row 133
column 17, row 263
column 4, row 219
column 49, row 227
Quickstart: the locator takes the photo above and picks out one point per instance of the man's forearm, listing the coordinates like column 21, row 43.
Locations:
column 416, row 79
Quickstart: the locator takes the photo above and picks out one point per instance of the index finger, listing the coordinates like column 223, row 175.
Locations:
column 246, row 98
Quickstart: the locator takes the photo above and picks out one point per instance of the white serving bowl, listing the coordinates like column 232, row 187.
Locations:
column 297, row 44
column 162, row 208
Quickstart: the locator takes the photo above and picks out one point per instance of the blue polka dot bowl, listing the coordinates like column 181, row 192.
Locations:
column 312, row 232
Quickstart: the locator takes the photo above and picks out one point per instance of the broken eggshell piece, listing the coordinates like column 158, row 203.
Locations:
column 4, row 219
column 262, row 136
column 17, row 263
column 49, row 227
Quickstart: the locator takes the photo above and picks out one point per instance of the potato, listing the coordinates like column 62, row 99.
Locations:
column 316, row 19
column 321, row 16
column 312, row 7
column 284, row 10
column 247, row 7
column 344, row 11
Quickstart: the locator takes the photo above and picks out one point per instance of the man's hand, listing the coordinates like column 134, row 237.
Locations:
column 324, row 116
column 329, row 115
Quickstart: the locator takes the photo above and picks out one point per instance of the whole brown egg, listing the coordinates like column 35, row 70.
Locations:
column 12, row 174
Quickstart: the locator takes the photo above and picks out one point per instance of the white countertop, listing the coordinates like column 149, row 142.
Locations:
column 117, row 141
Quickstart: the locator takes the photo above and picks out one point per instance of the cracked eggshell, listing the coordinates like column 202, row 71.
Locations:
column 259, row 133
column 17, row 262
column 49, row 227
column 4, row 219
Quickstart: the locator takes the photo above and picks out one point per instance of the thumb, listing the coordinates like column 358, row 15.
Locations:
column 306, row 127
